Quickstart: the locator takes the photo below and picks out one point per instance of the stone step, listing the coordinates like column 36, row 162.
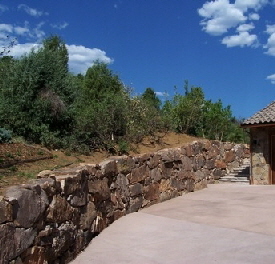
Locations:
column 241, row 169
column 238, row 175
column 234, row 182
column 243, row 175
column 233, row 178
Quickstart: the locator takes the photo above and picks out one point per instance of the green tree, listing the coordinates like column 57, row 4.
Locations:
column 100, row 81
column 6, row 64
column 187, row 110
column 151, row 98
column 143, row 119
column 37, row 93
column 215, row 120
column 101, row 108
column 218, row 123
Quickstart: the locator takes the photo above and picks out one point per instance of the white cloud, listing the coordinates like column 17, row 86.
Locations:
column 6, row 28
column 19, row 50
column 6, row 31
column 220, row 15
column 161, row 94
column 21, row 31
column 245, row 27
column 32, row 11
column 253, row 4
column 270, row 29
column 271, row 78
column 254, row 16
column 80, row 57
column 242, row 39
column 36, row 33
column 270, row 45
column 3, row 37
column 60, row 25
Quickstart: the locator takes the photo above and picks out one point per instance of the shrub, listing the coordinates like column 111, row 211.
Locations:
column 5, row 135
column 123, row 147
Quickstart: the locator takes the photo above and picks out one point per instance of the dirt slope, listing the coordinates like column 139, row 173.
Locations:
column 40, row 159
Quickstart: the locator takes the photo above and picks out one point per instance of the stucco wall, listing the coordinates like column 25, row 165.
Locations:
column 54, row 217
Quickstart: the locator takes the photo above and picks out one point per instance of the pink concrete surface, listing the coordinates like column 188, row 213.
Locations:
column 225, row 223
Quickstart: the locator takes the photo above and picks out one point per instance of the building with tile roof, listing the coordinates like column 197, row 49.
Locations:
column 261, row 127
column 263, row 117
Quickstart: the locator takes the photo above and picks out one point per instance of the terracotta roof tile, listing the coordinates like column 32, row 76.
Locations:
column 264, row 116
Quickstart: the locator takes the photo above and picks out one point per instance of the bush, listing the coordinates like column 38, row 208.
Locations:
column 123, row 147
column 5, row 135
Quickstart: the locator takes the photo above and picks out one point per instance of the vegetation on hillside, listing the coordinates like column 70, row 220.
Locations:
column 43, row 102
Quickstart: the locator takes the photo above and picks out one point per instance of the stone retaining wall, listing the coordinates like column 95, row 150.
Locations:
column 53, row 218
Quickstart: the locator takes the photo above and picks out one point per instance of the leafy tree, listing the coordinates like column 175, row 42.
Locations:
column 186, row 110
column 100, row 108
column 151, row 98
column 41, row 101
column 215, row 120
column 100, row 81
column 236, row 133
column 218, row 123
column 6, row 64
column 57, row 46
column 37, row 93
column 143, row 119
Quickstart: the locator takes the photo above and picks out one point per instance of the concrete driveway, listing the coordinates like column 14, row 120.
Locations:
column 224, row 223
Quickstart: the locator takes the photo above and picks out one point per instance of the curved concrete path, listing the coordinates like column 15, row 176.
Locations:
column 225, row 223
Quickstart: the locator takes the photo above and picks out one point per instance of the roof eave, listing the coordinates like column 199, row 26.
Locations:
column 270, row 124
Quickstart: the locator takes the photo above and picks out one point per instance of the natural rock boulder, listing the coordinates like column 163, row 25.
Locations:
column 229, row 156
column 138, row 174
column 28, row 204
column 60, row 210
column 13, row 241
column 5, row 211
column 88, row 216
column 99, row 189
column 151, row 192
column 135, row 189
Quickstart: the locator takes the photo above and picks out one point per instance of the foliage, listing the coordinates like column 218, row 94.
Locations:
column 5, row 135
column 192, row 114
column 36, row 93
column 42, row 102
column 219, row 124
column 151, row 98
column 123, row 147
column 216, row 120
column 143, row 119
column 185, row 110
column 100, row 109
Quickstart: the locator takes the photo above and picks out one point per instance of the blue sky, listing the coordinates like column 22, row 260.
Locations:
column 225, row 47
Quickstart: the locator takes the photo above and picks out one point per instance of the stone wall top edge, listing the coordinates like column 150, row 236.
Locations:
column 62, row 174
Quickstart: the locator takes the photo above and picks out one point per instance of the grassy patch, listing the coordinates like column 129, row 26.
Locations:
column 28, row 175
